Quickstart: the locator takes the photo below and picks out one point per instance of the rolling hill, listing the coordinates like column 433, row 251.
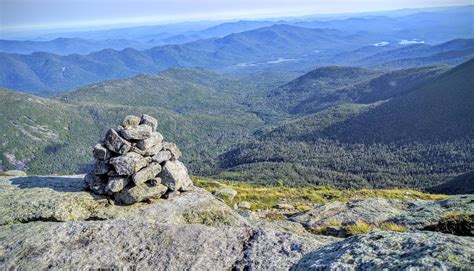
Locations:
column 327, row 86
column 202, row 111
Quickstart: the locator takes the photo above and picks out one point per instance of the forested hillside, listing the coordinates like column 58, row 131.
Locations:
column 417, row 138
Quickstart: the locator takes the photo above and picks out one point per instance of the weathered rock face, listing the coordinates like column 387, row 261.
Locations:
column 131, row 159
column 393, row 251
column 141, row 245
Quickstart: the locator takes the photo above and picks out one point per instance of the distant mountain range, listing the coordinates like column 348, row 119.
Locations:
column 46, row 74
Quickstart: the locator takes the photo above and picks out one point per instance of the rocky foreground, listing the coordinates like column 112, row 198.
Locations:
column 53, row 223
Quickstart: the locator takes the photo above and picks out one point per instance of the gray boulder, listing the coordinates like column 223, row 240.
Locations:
column 226, row 193
column 150, row 121
column 162, row 156
column 128, row 164
column 101, row 167
column 132, row 194
column 95, row 183
column 146, row 174
column 175, row 176
column 155, row 139
column 101, row 152
column 173, row 149
column 153, row 150
column 244, row 205
column 130, row 121
column 393, row 251
column 136, row 133
column 116, row 184
column 115, row 143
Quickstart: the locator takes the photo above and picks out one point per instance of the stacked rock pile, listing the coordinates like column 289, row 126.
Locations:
column 135, row 164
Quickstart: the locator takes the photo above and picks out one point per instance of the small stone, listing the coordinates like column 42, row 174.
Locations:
column 101, row 167
column 146, row 173
column 154, row 140
column 153, row 150
column 162, row 156
column 136, row 133
column 130, row 121
column 244, row 205
column 226, row 193
column 95, row 183
column 128, row 164
column 101, row 152
column 116, row 184
column 137, row 193
column 171, row 147
column 137, row 150
column 150, row 121
column 115, row 143
column 284, row 206
column 175, row 176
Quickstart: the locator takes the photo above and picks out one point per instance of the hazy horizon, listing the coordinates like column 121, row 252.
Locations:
column 52, row 15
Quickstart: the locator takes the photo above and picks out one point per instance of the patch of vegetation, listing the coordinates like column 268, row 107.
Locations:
column 266, row 197
column 358, row 228
column 458, row 223
column 392, row 227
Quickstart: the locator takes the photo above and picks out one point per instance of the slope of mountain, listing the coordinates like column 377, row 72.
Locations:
column 439, row 110
column 416, row 139
column 327, row 86
column 462, row 184
column 319, row 82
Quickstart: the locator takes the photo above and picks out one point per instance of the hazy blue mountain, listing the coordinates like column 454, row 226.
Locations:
column 430, row 26
column 65, row 46
column 451, row 52
column 40, row 72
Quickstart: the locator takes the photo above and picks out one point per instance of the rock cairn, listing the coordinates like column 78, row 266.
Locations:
column 134, row 164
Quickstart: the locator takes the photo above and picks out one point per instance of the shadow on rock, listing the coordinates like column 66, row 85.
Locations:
column 56, row 183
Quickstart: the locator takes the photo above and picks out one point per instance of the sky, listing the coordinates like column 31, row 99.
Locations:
column 24, row 15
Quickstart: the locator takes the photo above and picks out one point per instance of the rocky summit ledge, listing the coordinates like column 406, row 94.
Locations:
column 63, row 198
column 51, row 222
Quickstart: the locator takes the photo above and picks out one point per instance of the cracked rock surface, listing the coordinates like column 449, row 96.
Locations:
column 393, row 251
